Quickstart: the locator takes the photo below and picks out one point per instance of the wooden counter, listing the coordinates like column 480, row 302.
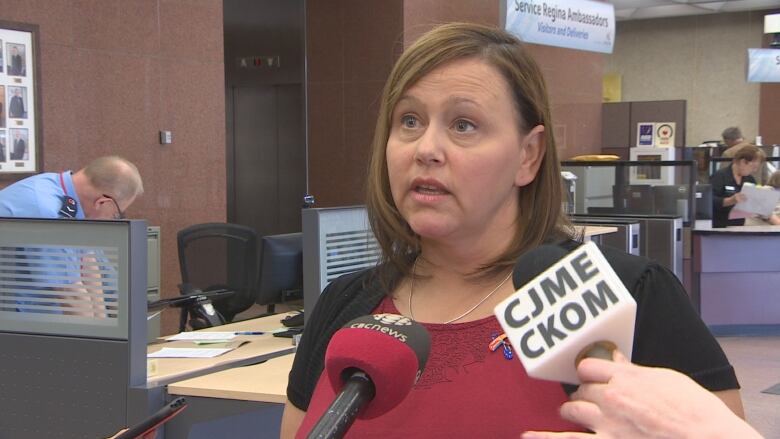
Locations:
column 596, row 230
column 737, row 274
column 265, row 382
column 258, row 348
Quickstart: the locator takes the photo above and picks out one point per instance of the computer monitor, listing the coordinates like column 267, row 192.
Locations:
column 337, row 241
column 633, row 199
column 703, row 201
column 672, row 200
column 281, row 269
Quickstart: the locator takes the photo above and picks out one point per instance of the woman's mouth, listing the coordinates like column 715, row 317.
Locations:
column 425, row 189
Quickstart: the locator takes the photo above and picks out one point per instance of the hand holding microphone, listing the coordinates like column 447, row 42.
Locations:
column 571, row 307
column 624, row 400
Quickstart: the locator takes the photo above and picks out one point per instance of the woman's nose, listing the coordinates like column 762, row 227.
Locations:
column 430, row 148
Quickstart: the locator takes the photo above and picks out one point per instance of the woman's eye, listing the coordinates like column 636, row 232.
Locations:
column 409, row 121
column 464, row 126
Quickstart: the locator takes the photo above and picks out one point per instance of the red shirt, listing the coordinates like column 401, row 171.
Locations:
column 465, row 391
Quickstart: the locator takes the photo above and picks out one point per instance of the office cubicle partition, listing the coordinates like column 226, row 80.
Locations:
column 153, row 245
column 336, row 241
column 72, row 327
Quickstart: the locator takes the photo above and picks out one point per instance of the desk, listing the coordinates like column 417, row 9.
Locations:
column 265, row 382
column 259, row 348
column 242, row 402
column 737, row 278
column 590, row 231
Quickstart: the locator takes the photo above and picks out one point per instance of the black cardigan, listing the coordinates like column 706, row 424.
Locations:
column 668, row 331
column 720, row 180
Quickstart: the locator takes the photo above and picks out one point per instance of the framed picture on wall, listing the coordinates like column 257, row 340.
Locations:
column 21, row 143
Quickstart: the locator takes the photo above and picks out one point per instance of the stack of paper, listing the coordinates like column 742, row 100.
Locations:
column 760, row 200
column 189, row 352
column 214, row 336
column 199, row 338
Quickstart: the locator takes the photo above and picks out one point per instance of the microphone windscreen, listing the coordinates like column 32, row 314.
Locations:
column 390, row 349
column 533, row 263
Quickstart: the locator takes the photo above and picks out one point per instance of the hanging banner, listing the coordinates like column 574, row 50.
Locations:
column 574, row 24
column 763, row 65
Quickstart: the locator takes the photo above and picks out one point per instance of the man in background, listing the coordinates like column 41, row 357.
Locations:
column 732, row 136
column 104, row 189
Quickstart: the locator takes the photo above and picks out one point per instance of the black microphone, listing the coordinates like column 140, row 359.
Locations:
column 371, row 365
column 532, row 263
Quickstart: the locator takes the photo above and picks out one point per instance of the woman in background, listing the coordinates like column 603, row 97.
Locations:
column 727, row 184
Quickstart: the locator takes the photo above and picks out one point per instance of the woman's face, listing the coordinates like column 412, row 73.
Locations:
column 746, row 168
column 456, row 156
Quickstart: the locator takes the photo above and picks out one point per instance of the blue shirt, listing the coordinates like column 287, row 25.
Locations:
column 39, row 196
column 42, row 196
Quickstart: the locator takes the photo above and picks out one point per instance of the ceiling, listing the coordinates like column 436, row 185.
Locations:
column 641, row 9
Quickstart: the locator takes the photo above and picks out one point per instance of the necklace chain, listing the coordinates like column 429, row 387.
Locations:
column 469, row 311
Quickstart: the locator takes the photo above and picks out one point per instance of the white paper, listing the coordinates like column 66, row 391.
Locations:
column 189, row 352
column 210, row 336
column 761, row 201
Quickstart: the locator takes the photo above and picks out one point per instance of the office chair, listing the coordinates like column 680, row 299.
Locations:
column 212, row 257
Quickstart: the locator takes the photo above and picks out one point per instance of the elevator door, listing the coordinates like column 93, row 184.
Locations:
column 266, row 157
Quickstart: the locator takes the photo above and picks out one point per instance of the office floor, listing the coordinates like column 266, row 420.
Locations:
column 757, row 362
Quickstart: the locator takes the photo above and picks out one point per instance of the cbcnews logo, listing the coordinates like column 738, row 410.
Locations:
column 390, row 324
column 393, row 319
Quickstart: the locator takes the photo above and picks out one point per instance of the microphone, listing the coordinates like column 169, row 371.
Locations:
column 567, row 306
column 371, row 365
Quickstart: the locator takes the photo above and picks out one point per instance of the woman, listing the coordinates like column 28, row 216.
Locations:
column 727, row 184
column 463, row 179
column 774, row 218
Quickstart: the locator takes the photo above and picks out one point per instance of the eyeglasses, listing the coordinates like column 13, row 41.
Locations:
column 119, row 214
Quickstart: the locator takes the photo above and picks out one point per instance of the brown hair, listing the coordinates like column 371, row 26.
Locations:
column 540, row 215
column 748, row 153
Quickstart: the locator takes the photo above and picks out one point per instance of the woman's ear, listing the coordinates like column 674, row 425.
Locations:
column 532, row 153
